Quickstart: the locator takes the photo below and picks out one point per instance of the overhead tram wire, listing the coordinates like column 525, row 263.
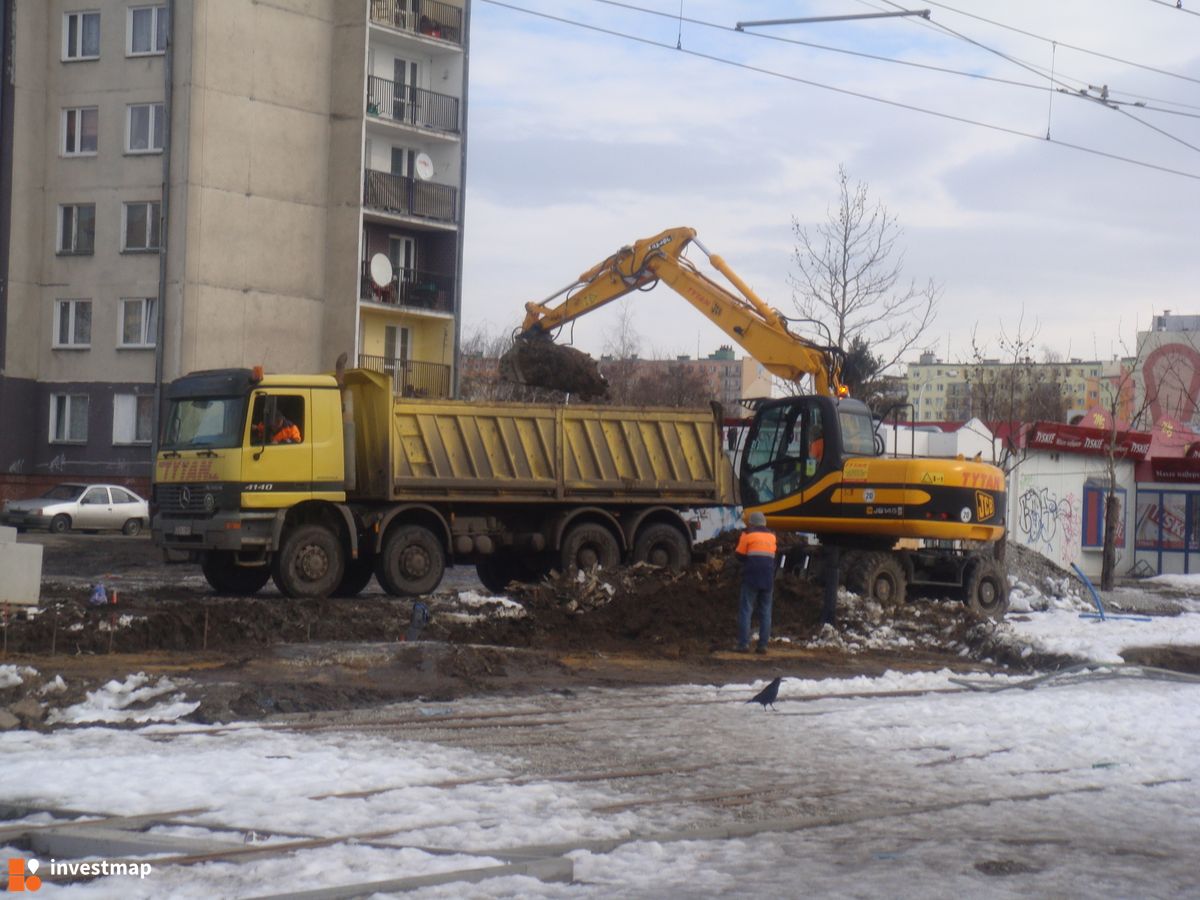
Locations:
column 1178, row 6
column 1104, row 154
column 831, row 49
column 1078, row 49
column 1079, row 93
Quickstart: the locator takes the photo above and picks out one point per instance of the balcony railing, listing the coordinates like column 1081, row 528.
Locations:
column 410, row 379
column 428, row 17
column 409, row 196
column 412, row 288
column 411, row 105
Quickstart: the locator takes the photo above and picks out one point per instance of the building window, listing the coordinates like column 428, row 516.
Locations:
column 138, row 322
column 77, row 228
column 145, row 131
column 81, row 36
column 140, row 227
column 133, row 418
column 79, row 131
column 73, row 324
column 68, row 418
column 146, row 31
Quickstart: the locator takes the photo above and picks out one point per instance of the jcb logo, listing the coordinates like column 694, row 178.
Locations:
column 985, row 506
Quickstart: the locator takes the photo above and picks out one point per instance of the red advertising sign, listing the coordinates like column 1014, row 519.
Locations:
column 1088, row 441
column 1175, row 470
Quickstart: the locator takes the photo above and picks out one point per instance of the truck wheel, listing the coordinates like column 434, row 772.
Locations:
column 228, row 578
column 986, row 589
column 589, row 546
column 310, row 563
column 60, row 524
column 663, row 546
column 496, row 572
column 356, row 577
column 412, row 562
column 878, row 576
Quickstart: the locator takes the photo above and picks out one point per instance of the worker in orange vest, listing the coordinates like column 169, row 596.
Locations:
column 756, row 549
column 283, row 430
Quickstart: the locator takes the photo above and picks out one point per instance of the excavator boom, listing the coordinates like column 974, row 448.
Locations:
column 758, row 328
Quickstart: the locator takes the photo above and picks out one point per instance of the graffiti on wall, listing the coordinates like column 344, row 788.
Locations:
column 1047, row 522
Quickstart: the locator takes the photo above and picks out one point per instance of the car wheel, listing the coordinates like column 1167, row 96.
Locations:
column 60, row 524
column 132, row 527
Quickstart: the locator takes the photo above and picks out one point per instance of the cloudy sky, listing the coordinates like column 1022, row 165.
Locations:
column 583, row 139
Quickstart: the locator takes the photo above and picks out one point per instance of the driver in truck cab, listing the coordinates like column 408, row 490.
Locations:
column 282, row 431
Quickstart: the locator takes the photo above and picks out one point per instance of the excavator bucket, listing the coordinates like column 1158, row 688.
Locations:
column 537, row 361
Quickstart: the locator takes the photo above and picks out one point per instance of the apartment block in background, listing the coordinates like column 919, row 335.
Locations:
column 298, row 141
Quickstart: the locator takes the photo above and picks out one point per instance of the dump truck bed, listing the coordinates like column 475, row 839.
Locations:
column 521, row 452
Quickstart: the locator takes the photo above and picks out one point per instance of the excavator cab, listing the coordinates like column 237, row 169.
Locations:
column 795, row 443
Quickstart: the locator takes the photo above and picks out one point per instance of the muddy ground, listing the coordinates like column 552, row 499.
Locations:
column 247, row 658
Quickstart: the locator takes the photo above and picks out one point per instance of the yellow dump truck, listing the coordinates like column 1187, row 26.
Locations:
column 321, row 481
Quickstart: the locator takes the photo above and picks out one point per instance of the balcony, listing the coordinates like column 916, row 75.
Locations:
column 409, row 105
column 410, row 379
column 404, row 196
column 429, row 18
column 413, row 289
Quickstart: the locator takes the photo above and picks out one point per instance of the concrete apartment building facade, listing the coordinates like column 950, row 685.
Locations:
column 941, row 391
column 298, row 140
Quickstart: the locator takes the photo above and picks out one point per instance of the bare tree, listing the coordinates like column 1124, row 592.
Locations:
column 675, row 384
column 849, row 278
column 1012, row 388
column 622, row 343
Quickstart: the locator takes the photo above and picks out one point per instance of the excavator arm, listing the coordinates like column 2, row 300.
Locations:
column 758, row 328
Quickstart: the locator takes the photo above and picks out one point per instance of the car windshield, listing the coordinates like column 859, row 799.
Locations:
column 196, row 422
column 64, row 492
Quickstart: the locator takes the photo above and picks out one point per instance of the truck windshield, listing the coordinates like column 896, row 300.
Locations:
column 204, row 422
column 858, row 431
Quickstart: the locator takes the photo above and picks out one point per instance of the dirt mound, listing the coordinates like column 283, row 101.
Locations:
column 537, row 361
column 645, row 609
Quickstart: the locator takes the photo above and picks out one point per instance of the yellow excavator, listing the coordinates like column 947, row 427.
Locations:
column 812, row 463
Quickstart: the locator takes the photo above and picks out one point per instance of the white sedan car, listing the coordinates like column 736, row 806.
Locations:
column 84, row 507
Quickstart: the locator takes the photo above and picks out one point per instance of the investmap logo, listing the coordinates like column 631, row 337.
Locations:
column 22, row 873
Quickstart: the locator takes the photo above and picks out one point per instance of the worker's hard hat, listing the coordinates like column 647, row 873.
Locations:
column 757, row 518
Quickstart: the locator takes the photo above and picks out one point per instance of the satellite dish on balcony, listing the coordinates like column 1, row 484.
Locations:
column 381, row 270
column 423, row 166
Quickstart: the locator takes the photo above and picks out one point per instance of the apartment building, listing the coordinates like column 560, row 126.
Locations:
column 297, row 142
column 941, row 391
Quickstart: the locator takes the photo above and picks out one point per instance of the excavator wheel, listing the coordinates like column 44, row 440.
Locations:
column 986, row 588
column 879, row 576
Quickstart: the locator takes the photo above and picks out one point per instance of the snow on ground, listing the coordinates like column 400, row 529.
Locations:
column 127, row 701
column 903, row 785
column 1081, row 789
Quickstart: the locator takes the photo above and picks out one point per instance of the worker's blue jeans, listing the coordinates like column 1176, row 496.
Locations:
column 754, row 600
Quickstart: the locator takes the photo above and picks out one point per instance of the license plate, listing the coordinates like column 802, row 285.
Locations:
column 183, row 530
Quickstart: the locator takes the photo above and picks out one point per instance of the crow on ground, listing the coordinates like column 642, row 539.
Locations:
column 767, row 695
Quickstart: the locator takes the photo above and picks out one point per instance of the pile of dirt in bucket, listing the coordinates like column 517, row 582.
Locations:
column 539, row 362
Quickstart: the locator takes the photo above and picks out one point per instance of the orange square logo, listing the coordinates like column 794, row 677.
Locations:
column 21, row 875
